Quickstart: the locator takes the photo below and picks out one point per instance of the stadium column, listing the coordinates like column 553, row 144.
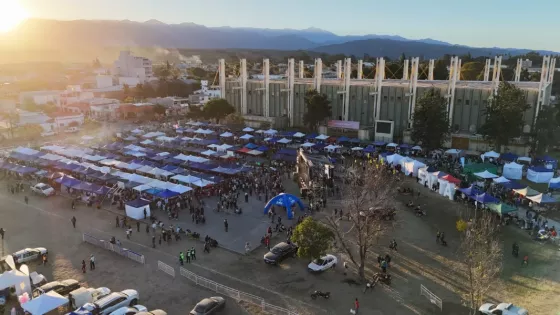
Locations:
column 318, row 72
column 543, row 84
column 301, row 69
column 243, row 86
column 360, row 72
column 431, row 70
column 266, row 82
column 412, row 87
column 222, row 78
column 291, row 82
column 339, row 69
column 518, row 70
column 497, row 73
column 487, row 70
column 405, row 70
column 378, row 85
column 459, row 66
column 347, row 74
column 451, row 88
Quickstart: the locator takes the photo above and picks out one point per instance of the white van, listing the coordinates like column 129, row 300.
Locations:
column 81, row 296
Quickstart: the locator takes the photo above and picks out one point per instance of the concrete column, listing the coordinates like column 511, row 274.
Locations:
column 301, row 69
column 318, row 73
column 451, row 88
column 543, row 85
column 487, row 70
column 291, row 82
column 266, row 82
column 379, row 77
column 412, row 87
column 459, row 67
column 431, row 66
column 405, row 70
column 347, row 74
column 497, row 73
column 222, row 77
column 243, row 72
column 360, row 69
column 518, row 70
column 339, row 69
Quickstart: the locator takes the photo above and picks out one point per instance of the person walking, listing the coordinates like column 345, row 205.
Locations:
column 193, row 253
column 147, row 229
column 73, row 206
column 188, row 256
column 2, row 231
column 181, row 258
column 26, row 199
column 206, row 248
column 91, row 262
column 356, row 306
column 438, row 235
column 73, row 221
column 137, row 226
column 145, row 214
column 117, row 222
column 83, row 266
column 226, row 224
column 128, row 232
column 153, row 241
column 44, row 259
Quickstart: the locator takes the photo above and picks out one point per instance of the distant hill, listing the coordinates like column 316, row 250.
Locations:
column 90, row 38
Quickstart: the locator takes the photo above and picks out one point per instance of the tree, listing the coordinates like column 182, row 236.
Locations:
column 218, row 108
column 12, row 117
column 313, row 238
column 160, row 109
column 367, row 203
column 430, row 126
column 546, row 132
column 318, row 108
column 234, row 120
column 472, row 71
column 195, row 112
column 129, row 99
column 482, row 253
column 440, row 69
column 166, row 72
column 504, row 115
column 198, row 72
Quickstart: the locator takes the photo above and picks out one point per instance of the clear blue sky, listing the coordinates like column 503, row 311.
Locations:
column 531, row 24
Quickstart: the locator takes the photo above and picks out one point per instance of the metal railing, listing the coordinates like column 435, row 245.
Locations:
column 114, row 248
column 225, row 290
column 434, row 299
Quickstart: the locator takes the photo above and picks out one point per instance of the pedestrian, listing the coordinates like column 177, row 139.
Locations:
column 73, row 221
column 91, row 262
column 145, row 213
column 226, row 224
column 117, row 222
column 154, row 241
column 188, row 256
column 181, row 258
column 147, row 229
column 525, row 260
column 247, row 248
column 26, row 200
column 345, row 267
column 44, row 258
column 193, row 253
column 138, row 226
column 128, row 231
column 384, row 266
column 73, row 206
column 2, row 231
column 206, row 247
column 438, row 235
column 83, row 266
column 160, row 239
column 388, row 260
column 356, row 306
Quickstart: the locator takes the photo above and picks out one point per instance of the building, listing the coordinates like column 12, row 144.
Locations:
column 378, row 108
column 40, row 97
column 169, row 101
column 62, row 120
column 74, row 94
column 103, row 81
column 130, row 66
column 205, row 94
column 136, row 110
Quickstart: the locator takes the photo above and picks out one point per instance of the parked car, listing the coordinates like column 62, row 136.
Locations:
column 81, row 296
column 72, row 129
column 43, row 189
column 154, row 312
column 130, row 310
column 323, row 263
column 501, row 309
column 28, row 254
column 112, row 302
column 48, row 133
column 209, row 306
column 280, row 252
column 61, row 287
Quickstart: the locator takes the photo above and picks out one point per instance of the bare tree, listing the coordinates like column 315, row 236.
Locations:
column 368, row 212
column 482, row 251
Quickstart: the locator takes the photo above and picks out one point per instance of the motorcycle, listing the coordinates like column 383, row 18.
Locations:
column 382, row 277
column 324, row 295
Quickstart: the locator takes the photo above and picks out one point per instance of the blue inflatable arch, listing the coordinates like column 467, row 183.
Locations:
column 286, row 201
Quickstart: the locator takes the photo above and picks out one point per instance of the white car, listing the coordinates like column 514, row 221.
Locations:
column 47, row 133
column 502, row 309
column 323, row 263
column 29, row 254
column 112, row 302
column 130, row 310
column 43, row 189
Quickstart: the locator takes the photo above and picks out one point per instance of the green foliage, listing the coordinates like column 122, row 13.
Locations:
column 195, row 112
column 312, row 238
column 159, row 109
column 29, row 105
column 218, row 109
column 166, row 72
column 431, row 123
column 472, row 71
column 234, row 120
column 546, row 132
column 265, row 125
column 318, row 108
column 440, row 69
column 504, row 115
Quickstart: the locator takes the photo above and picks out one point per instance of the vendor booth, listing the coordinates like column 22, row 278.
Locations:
column 490, row 156
column 539, row 174
column 500, row 208
column 513, row 170
column 542, row 199
column 554, row 183
column 410, row 166
column 135, row 209
column 45, row 303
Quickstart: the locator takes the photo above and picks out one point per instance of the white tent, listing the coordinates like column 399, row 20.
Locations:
column 394, row 159
column 246, row 137
column 208, row 153
column 513, row 171
column 248, row 129
column 284, row 141
column 179, row 189
column 224, row 147
column 259, row 131
column 357, row 149
column 145, row 169
column 299, row 135
column 271, row 132
column 524, row 159
column 17, row 279
column 202, row 183
column 133, row 147
column 154, row 134
column 226, row 135
column 500, row 180
column 411, row 167
column 255, row 152
column 165, row 138
column 490, row 155
column 45, row 303
column 213, row 146
column 322, row 137
column 392, row 144
column 539, row 175
column 331, row 147
column 135, row 209
column 417, row 148
column 485, row 175
column 137, row 131
column 453, row 151
column 308, row 144
column 26, row 151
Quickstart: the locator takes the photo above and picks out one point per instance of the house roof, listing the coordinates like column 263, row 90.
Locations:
column 63, row 114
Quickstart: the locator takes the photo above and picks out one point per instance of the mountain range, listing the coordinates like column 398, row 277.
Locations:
column 54, row 35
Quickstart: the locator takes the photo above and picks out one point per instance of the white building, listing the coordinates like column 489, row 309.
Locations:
column 205, row 94
column 169, row 101
column 40, row 97
column 74, row 94
column 130, row 66
column 104, row 81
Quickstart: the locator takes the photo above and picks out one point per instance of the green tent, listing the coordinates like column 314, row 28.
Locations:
column 500, row 208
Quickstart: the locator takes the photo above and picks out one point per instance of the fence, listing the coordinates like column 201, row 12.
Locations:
column 434, row 299
column 227, row 291
column 114, row 248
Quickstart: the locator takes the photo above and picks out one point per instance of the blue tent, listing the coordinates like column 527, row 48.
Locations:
column 153, row 191
column 471, row 191
column 138, row 203
column 169, row 168
column 286, row 201
column 354, row 140
column 432, row 169
column 251, row 146
column 486, row 198
column 508, row 157
column 67, row 181
column 26, row 170
column 379, row 143
column 369, row 149
column 513, row 185
column 287, row 151
column 311, row 136
column 262, row 148
column 546, row 159
column 167, row 194
column 343, row 139
column 405, row 146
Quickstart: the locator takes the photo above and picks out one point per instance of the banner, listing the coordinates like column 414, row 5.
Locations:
column 343, row 124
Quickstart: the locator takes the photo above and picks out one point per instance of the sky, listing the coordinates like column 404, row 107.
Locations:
column 481, row 23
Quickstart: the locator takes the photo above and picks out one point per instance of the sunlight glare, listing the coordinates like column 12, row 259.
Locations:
column 11, row 14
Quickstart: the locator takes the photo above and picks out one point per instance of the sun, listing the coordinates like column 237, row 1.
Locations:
column 11, row 14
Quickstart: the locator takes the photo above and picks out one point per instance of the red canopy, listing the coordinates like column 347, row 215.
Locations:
column 243, row 150
column 451, row 179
